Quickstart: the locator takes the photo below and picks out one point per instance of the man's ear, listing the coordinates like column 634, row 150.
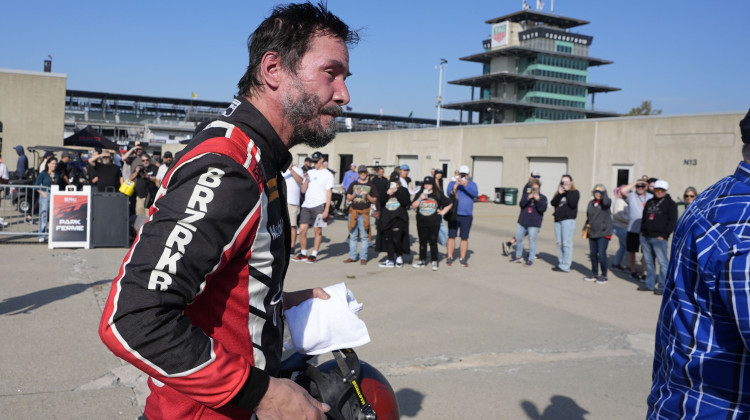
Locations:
column 271, row 70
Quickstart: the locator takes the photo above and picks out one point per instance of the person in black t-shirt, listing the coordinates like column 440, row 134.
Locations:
column 103, row 173
column 431, row 206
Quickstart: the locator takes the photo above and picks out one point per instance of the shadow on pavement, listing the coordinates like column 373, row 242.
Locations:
column 560, row 408
column 35, row 300
column 409, row 402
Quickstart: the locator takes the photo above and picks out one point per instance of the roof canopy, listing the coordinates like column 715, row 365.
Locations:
column 540, row 17
column 88, row 137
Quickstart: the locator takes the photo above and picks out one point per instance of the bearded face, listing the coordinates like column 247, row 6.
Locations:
column 304, row 114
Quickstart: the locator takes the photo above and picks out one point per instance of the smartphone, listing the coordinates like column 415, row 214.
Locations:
column 394, row 185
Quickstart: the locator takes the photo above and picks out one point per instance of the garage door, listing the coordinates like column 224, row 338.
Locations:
column 551, row 170
column 487, row 173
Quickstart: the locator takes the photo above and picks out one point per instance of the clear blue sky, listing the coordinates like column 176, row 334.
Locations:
column 686, row 56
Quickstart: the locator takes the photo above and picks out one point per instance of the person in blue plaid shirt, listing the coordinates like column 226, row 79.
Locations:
column 702, row 359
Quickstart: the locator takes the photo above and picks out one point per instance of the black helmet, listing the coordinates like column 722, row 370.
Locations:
column 354, row 389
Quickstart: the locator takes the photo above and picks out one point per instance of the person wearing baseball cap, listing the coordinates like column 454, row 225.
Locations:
column 166, row 161
column 702, row 329
column 317, row 187
column 465, row 191
column 658, row 222
column 534, row 177
column 406, row 182
column 362, row 193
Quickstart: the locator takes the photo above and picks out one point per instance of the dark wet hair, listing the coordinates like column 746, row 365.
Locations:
column 288, row 32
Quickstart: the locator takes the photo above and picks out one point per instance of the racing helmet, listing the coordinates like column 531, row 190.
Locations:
column 354, row 389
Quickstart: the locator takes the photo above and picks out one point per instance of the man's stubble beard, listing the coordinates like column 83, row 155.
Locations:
column 304, row 114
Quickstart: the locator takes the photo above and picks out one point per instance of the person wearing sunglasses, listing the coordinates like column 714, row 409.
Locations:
column 144, row 176
column 687, row 198
column 636, row 203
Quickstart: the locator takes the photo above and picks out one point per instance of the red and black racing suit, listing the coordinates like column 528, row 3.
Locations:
column 197, row 302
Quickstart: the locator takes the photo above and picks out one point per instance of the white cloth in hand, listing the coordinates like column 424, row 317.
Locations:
column 318, row 326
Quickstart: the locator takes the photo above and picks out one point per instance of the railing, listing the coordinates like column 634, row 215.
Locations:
column 19, row 209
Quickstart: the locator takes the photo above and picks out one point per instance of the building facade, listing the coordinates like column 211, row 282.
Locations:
column 533, row 69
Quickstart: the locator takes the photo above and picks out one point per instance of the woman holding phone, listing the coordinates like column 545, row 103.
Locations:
column 565, row 203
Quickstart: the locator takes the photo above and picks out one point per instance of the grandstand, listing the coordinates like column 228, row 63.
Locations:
column 159, row 120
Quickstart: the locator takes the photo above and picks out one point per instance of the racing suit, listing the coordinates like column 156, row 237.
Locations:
column 197, row 301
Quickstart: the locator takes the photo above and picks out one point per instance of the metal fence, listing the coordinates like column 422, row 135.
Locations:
column 19, row 209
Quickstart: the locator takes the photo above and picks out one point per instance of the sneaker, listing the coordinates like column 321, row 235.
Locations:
column 399, row 264
column 419, row 264
column 558, row 269
column 434, row 266
column 363, row 262
column 312, row 259
column 464, row 263
column 506, row 248
column 449, row 261
column 644, row 288
column 516, row 259
column 42, row 240
column 299, row 257
column 349, row 260
column 658, row 291
column 602, row 280
column 591, row 278
column 386, row 264
column 620, row 268
column 528, row 263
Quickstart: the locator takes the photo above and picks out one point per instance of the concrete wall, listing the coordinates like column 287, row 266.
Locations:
column 686, row 150
column 32, row 110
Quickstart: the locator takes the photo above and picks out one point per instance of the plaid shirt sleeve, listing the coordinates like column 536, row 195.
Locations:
column 701, row 360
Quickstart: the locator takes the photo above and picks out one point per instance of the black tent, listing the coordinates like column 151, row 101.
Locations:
column 88, row 137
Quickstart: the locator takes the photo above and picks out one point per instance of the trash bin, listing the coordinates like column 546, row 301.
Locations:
column 511, row 196
column 499, row 195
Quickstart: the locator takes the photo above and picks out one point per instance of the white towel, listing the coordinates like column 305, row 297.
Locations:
column 318, row 326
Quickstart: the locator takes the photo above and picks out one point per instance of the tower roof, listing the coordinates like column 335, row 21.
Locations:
column 541, row 17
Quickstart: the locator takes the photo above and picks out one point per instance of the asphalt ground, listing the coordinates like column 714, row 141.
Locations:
column 495, row 340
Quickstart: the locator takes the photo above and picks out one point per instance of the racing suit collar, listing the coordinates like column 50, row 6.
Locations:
column 274, row 149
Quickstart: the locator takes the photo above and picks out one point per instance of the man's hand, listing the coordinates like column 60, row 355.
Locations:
column 292, row 299
column 285, row 399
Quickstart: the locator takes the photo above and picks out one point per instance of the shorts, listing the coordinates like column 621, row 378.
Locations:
column 307, row 215
column 633, row 242
column 293, row 214
column 462, row 223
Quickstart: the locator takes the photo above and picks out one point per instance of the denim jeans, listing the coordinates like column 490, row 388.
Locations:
column 521, row 231
column 622, row 251
column 564, row 237
column 655, row 249
column 358, row 232
column 598, row 254
column 43, row 214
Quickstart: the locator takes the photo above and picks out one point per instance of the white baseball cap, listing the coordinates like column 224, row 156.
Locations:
column 661, row 184
column 463, row 169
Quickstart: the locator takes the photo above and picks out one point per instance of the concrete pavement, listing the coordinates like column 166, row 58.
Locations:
column 494, row 340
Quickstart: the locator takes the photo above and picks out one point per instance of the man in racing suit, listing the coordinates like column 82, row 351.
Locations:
column 198, row 300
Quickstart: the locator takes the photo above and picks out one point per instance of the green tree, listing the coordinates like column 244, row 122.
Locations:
column 644, row 109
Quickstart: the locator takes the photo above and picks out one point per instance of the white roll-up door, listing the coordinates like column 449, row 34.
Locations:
column 487, row 173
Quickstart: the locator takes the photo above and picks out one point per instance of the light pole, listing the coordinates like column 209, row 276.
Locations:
column 439, row 100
